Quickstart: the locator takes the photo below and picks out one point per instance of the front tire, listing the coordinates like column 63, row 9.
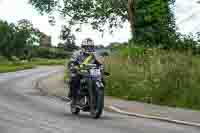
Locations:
column 99, row 103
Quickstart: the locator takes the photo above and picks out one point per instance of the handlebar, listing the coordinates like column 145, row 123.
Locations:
column 89, row 66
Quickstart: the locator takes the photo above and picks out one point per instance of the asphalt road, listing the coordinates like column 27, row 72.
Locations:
column 22, row 110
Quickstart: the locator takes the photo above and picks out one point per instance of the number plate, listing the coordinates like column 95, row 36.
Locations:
column 95, row 72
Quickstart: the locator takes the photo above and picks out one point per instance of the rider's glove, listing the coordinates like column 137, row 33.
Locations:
column 102, row 68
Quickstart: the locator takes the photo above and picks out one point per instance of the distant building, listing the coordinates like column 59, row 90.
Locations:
column 45, row 40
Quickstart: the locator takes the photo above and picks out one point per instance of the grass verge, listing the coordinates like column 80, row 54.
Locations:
column 41, row 61
column 14, row 67
column 155, row 76
column 7, row 66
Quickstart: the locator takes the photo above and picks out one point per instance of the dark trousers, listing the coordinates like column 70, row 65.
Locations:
column 74, row 86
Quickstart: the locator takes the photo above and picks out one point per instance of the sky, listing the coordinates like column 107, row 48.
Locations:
column 187, row 13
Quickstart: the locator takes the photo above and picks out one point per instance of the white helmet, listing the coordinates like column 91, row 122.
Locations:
column 88, row 45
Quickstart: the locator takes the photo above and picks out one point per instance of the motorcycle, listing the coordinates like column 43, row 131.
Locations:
column 91, row 92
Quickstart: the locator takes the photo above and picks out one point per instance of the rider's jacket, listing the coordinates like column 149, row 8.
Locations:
column 79, row 58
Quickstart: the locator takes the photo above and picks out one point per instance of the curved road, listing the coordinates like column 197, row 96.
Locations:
column 22, row 110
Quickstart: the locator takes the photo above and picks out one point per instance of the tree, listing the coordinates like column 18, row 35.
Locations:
column 151, row 21
column 132, row 16
column 16, row 40
column 32, row 34
column 26, row 36
column 7, row 37
column 99, row 46
column 69, row 47
column 68, row 38
column 95, row 12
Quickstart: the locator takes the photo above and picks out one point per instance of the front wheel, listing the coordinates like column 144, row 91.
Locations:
column 99, row 103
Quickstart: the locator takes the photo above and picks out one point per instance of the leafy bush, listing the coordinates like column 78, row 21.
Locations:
column 50, row 53
column 104, row 53
column 3, row 60
column 133, row 52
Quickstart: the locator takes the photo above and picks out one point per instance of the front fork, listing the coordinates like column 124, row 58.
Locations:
column 92, row 86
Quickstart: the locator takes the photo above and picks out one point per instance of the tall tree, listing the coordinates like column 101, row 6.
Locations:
column 26, row 35
column 32, row 34
column 147, row 18
column 17, row 38
column 155, row 21
column 7, row 37
column 69, row 39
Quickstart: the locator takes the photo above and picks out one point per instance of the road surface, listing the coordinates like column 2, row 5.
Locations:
column 22, row 110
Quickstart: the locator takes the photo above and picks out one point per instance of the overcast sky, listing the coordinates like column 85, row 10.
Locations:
column 187, row 14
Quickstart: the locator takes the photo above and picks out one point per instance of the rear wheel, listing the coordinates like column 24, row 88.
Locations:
column 74, row 109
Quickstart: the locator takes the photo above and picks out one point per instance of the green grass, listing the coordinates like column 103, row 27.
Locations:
column 8, row 66
column 3, row 60
column 14, row 67
column 40, row 61
column 159, row 77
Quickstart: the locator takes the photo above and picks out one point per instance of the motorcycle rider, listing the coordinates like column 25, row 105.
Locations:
column 80, row 58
